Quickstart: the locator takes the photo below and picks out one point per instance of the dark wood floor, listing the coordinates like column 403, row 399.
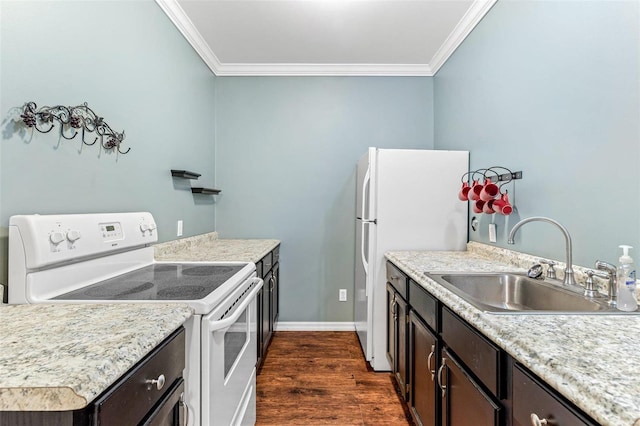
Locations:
column 321, row 378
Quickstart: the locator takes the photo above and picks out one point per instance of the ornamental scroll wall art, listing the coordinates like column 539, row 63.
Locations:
column 76, row 119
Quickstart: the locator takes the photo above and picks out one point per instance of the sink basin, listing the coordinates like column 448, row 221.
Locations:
column 512, row 293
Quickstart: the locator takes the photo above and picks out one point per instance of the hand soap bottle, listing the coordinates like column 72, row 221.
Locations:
column 626, row 275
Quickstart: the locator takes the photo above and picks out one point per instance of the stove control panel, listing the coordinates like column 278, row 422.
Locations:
column 49, row 239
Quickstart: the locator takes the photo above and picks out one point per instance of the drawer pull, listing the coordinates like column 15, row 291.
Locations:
column 185, row 407
column 159, row 382
column 537, row 421
column 429, row 358
column 439, row 378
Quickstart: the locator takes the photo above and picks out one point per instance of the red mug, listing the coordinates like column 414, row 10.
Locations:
column 463, row 195
column 488, row 207
column 474, row 193
column 502, row 205
column 478, row 206
column 489, row 190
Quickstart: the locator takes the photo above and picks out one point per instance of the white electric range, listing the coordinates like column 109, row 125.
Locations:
column 108, row 258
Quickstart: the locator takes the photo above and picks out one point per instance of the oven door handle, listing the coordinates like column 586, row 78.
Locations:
column 227, row 322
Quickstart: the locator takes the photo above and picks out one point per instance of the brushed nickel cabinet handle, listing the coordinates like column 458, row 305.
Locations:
column 439, row 377
column 159, row 382
column 429, row 358
column 537, row 421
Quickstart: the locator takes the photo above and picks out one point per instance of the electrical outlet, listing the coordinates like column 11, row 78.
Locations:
column 180, row 228
column 492, row 232
column 342, row 295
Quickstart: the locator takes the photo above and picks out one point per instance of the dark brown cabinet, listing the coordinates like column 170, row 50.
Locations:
column 455, row 376
column 424, row 358
column 397, row 337
column 268, row 299
column 463, row 401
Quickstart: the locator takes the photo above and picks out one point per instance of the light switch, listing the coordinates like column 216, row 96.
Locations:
column 492, row 232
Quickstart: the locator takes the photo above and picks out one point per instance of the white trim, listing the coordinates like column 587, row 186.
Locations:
column 419, row 70
column 476, row 12
column 315, row 326
column 178, row 16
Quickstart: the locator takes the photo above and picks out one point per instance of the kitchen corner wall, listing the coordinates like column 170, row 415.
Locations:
column 133, row 67
column 286, row 150
column 552, row 88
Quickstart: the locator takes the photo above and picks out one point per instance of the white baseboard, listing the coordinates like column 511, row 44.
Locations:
column 315, row 326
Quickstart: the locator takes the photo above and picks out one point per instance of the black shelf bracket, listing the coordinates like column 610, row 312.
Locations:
column 207, row 191
column 185, row 174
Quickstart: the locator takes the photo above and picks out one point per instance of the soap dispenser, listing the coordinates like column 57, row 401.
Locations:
column 626, row 275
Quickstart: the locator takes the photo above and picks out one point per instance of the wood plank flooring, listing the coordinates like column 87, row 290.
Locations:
column 321, row 378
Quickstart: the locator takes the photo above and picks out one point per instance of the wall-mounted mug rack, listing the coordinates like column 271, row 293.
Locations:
column 484, row 191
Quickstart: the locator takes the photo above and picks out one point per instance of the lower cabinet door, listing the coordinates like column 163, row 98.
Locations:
column 463, row 401
column 423, row 359
column 401, row 345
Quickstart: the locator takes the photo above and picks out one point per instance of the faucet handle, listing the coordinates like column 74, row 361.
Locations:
column 551, row 272
column 589, row 286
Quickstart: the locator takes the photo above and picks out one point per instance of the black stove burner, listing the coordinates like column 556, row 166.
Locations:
column 159, row 281
column 201, row 271
column 183, row 292
column 119, row 291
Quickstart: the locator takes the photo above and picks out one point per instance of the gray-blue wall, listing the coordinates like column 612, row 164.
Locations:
column 286, row 150
column 552, row 88
column 133, row 67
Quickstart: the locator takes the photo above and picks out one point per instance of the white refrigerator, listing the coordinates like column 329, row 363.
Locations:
column 406, row 200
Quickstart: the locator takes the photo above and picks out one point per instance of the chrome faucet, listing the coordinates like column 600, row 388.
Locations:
column 569, row 279
column 613, row 285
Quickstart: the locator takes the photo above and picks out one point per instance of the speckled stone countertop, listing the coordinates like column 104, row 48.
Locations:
column 208, row 248
column 593, row 360
column 59, row 357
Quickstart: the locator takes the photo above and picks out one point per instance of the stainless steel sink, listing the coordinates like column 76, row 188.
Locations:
column 512, row 293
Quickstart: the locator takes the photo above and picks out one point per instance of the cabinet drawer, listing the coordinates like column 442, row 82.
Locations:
column 397, row 279
column 480, row 356
column 424, row 304
column 531, row 397
column 276, row 255
column 267, row 263
column 132, row 398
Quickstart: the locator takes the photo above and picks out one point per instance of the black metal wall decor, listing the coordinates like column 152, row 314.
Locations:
column 81, row 117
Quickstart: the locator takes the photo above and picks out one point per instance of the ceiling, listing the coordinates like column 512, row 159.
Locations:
column 325, row 37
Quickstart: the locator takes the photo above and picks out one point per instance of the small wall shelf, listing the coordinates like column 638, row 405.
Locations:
column 185, row 174
column 207, row 191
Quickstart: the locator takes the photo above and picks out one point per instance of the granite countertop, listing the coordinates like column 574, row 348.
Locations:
column 208, row 248
column 590, row 359
column 59, row 357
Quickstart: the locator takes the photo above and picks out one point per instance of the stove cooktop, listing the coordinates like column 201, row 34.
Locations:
column 161, row 281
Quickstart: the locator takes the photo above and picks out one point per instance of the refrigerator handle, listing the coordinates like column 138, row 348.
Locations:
column 365, row 182
column 364, row 258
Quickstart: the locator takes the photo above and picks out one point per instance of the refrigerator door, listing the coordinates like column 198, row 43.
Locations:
column 365, row 247
column 364, row 279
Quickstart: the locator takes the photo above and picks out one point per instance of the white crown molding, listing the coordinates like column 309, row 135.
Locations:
column 315, row 326
column 324, row 70
column 476, row 12
column 180, row 19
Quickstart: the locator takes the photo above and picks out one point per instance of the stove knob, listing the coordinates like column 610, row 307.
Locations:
column 56, row 237
column 73, row 235
column 144, row 227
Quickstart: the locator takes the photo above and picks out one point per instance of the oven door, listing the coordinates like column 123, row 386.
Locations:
column 229, row 358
